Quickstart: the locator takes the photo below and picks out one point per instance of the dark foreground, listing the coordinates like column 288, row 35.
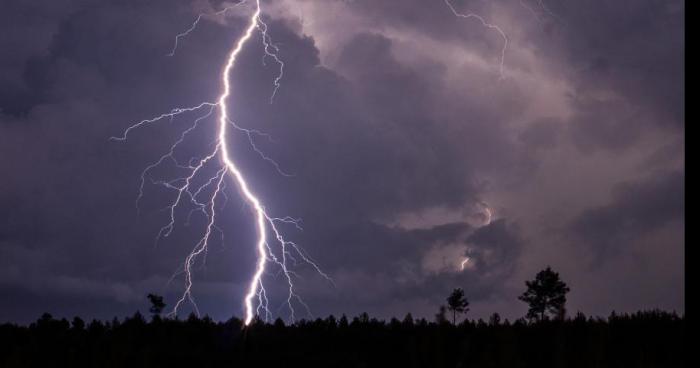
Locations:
column 645, row 339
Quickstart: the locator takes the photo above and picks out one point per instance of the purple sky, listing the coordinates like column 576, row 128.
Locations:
column 398, row 129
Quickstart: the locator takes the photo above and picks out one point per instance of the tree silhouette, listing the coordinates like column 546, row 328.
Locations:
column 78, row 323
column 408, row 320
column 157, row 304
column 644, row 339
column 546, row 294
column 457, row 303
column 495, row 319
column 440, row 315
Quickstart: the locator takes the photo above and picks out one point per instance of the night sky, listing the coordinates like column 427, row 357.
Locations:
column 400, row 135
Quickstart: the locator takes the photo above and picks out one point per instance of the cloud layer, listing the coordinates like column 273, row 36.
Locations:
column 400, row 134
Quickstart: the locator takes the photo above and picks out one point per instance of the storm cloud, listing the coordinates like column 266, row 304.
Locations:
column 398, row 132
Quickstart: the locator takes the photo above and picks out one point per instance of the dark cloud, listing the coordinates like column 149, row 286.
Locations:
column 636, row 48
column 542, row 134
column 637, row 209
column 606, row 125
column 405, row 119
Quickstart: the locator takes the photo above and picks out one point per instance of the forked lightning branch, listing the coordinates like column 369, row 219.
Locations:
column 271, row 246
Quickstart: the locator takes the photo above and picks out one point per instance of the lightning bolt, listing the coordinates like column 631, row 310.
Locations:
column 206, row 198
column 548, row 10
column 271, row 247
column 464, row 263
column 487, row 25
column 527, row 6
column 488, row 214
column 194, row 24
column 545, row 10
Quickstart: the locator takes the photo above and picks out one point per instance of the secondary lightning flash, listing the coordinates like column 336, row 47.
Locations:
column 487, row 25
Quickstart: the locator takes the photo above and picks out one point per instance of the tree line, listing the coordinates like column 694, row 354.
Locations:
column 545, row 337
